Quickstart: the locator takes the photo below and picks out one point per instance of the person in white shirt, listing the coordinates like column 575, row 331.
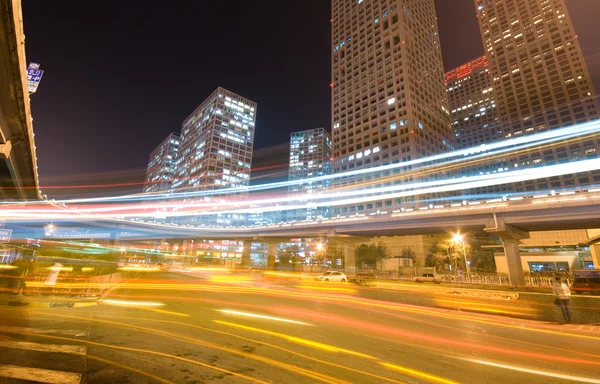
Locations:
column 563, row 298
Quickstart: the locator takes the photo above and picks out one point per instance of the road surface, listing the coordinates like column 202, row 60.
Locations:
column 216, row 327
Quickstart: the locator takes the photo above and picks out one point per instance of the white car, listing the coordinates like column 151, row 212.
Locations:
column 332, row 276
column 428, row 277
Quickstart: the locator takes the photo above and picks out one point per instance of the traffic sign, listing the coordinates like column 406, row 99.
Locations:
column 34, row 75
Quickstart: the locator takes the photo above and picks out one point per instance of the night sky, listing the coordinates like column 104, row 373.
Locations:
column 120, row 75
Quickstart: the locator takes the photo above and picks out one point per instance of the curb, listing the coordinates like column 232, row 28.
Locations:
column 50, row 304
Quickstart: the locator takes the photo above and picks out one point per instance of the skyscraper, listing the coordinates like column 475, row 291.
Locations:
column 472, row 103
column 310, row 156
column 540, row 81
column 389, row 97
column 161, row 165
column 216, row 146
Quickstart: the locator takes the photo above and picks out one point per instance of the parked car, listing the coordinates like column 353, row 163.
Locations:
column 586, row 285
column 365, row 279
column 332, row 276
column 428, row 277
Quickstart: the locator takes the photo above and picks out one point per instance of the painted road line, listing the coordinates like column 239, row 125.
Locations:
column 39, row 375
column 57, row 348
column 66, row 332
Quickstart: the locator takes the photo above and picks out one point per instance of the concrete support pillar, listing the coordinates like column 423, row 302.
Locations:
column 595, row 249
column 271, row 254
column 246, row 260
column 513, row 260
column 350, row 259
column 510, row 236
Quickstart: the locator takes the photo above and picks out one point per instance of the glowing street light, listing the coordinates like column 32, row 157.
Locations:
column 49, row 229
column 458, row 238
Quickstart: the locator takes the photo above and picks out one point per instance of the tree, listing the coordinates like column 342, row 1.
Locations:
column 409, row 253
column 288, row 257
column 372, row 255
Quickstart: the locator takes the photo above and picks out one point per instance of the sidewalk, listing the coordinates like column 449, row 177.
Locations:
column 511, row 303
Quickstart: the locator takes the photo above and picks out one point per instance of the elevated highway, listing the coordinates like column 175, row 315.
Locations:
column 18, row 164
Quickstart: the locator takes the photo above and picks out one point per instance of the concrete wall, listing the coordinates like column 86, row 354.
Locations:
column 571, row 257
column 554, row 238
column 419, row 243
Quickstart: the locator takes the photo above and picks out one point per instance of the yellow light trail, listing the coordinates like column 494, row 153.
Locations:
column 128, row 368
column 147, row 351
column 327, row 289
column 119, row 324
column 297, row 340
column 331, row 348
column 418, row 374
column 271, row 362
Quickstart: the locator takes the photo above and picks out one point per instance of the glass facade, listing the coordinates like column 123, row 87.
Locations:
column 161, row 166
column 216, row 150
column 388, row 92
column 540, row 82
column 310, row 157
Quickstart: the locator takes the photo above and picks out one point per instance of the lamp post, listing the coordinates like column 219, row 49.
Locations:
column 49, row 229
column 458, row 238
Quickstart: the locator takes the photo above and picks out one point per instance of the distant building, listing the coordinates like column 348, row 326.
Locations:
column 472, row 103
column 389, row 100
column 161, row 165
column 216, row 150
column 310, row 157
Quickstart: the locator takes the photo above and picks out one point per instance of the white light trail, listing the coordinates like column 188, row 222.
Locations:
column 486, row 150
column 246, row 314
column 535, row 371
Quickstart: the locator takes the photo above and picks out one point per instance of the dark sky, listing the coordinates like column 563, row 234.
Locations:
column 120, row 75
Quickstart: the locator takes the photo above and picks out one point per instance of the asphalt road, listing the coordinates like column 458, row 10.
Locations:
column 214, row 327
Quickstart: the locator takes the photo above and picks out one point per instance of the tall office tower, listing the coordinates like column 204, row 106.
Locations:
column 472, row 103
column 161, row 166
column 540, row 81
column 389, row 99
column 310, row 157
column 216, row 148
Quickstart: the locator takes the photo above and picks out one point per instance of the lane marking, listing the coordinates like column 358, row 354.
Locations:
column 57, row 348
column 247, row 314
column 127, row 368
column 39, row 375
column 67, row 332
column 534, row 371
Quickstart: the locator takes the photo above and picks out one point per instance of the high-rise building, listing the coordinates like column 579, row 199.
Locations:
column 161, row 166
column 472, row 103
column 310, row 157
column 216, row 147
column 389, row 99
column 540, row 82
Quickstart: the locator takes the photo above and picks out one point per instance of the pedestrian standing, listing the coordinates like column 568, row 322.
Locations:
column 563, row 298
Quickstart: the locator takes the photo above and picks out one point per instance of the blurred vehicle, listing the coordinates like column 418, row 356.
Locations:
column 586, row 285
column 332, row 276
column 163, row 267
column 428, row 277
column 365, row 279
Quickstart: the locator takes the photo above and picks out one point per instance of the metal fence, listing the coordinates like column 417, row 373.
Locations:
column 488, row 279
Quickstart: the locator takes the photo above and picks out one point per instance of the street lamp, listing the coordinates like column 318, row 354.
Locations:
column 49, row 229
column 458, row 238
